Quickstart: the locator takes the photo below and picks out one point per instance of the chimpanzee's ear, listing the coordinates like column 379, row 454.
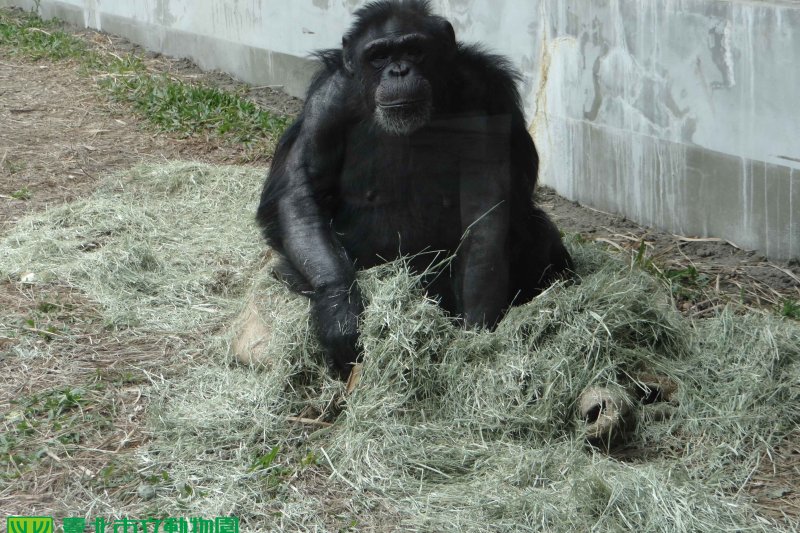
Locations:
column 449, row 37
column 347, row 55
column 448, row 30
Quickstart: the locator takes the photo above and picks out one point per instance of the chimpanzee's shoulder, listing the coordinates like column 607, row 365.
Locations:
column 487, row 79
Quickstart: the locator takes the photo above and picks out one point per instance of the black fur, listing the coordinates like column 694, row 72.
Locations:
column 409, row 143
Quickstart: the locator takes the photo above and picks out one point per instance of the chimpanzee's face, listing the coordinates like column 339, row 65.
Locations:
column 396, row 64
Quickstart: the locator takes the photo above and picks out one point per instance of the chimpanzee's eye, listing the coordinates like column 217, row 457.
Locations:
column 415, row 53
column 378, row 56
column 379, row 60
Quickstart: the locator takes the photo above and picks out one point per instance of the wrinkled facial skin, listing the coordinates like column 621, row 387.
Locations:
column 395, row 66
column 403, row 118
column 403, row 96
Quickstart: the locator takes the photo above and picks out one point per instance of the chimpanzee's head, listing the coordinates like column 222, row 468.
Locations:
column 399, row 52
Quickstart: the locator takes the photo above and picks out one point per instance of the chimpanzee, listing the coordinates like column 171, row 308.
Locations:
column 409, row 144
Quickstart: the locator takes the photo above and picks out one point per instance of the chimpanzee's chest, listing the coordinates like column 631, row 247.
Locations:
column 397, row 195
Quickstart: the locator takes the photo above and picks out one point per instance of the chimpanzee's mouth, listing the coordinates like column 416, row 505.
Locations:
column 400, row 104
column 403, row 117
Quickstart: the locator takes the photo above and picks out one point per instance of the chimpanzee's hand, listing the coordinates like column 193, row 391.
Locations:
column 336, row 312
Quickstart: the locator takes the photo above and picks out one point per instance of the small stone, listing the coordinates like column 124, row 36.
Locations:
column 146, row 492
column 782, row 492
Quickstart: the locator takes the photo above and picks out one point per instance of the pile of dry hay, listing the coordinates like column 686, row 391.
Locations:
column 448, row 429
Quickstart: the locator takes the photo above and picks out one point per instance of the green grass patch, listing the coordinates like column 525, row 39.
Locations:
column 791, row 309
column 41, row 421
column 170, row 104
column 22, row 194
column 687, row 283
column 190, row 109
column 27, row 35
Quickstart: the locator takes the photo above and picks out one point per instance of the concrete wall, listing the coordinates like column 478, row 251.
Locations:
column 681, row 114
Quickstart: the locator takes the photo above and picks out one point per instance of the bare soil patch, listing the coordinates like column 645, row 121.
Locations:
column 60, row 135
column 709, row 273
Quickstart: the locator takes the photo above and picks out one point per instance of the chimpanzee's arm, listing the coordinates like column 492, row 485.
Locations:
column 305, row 167
column 483, row 258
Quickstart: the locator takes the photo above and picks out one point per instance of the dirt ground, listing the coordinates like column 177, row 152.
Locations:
column 60, row 135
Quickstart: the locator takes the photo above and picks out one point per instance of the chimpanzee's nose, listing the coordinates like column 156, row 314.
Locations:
column 399, row 69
